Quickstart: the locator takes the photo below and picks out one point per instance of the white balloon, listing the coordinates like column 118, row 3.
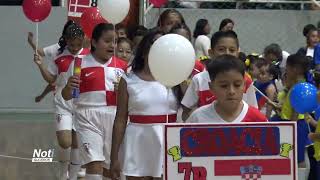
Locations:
column 171, row 59
column 114, row 11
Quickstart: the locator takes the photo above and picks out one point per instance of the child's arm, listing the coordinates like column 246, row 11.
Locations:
column 310, row 120
column 33, row 46
column 119, row 127
column 73, row 82
column 44, row 71
column 48, row 89
column 314, row 136
column 271, row 93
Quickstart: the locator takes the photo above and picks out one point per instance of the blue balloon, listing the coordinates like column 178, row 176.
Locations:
column 303, row 98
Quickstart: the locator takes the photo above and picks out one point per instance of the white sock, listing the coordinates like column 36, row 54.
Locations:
column 64, row 170
column 307, row 161
column 93, row 177
column 75, row 164
column 302, row 173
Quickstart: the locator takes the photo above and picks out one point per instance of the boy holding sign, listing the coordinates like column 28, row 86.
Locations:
column 227, row 83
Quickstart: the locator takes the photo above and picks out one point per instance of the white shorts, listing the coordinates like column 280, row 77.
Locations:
column 94, row 128
column 63, row 122
column 143, row 150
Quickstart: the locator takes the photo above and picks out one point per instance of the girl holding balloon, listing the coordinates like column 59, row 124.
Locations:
column 146, row 112
column 95, row 108
column 49, row 52
column 70, row 47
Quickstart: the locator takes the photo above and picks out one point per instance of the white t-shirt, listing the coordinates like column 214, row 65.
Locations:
column 310, row 52
column 208, row 114
column 202, row 45
column 285, row 56
column 51, row 51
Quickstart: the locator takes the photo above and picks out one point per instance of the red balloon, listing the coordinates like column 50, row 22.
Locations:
column 36, row 10
column 89, row 19
column 158, row 3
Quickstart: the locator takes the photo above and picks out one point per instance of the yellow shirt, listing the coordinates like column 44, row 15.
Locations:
column 287, row 110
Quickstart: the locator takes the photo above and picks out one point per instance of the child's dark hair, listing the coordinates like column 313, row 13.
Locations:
column 165, row 14
column 126, row 40
column 98, row 31
column 143, row 49
column 273, row 49
column 251, row 60
column 223, row 34
column 260, row 62
column 275, row 71
column 225, row 63
column 242, row 56
column 121, row 26
column 71, row 31
column 299, row 61
column 199, row 29
column 308, row 28
column 137, row 31
column 224, row 22
column 175, row 28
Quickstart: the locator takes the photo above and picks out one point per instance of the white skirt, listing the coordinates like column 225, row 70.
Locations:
column 143, row 147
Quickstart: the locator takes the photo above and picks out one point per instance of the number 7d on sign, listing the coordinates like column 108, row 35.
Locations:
column 198, row 173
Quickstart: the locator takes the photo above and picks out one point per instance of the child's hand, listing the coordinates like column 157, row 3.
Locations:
column 73, row 82
column 314, row 136
column 274, row 105
column 116, row 85
column 30, row 37
column 38, row 99
column 38, row 59
column 115, row 170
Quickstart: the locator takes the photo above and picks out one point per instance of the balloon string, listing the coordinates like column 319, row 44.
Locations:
column 37, row 37
column 115, row 60
column 168, row 91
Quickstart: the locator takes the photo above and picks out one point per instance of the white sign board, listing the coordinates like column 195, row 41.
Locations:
column 264, row 151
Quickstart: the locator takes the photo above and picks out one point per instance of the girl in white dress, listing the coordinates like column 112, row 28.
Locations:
column 201, row 40
column 147, row 103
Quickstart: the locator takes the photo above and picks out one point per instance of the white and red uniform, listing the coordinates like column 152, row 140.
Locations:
column 149, row 103
column 58, row 66
column 95, row 108
column 50, row 52
column 198, row 93
column 208, row 114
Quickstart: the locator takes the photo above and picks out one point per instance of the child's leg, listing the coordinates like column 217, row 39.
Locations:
column 75, row 163
column 303, row 141
column 48, row 89
column 64, row 137
column 318, row 170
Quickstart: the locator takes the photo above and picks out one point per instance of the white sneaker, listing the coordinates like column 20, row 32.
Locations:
column 82, row 173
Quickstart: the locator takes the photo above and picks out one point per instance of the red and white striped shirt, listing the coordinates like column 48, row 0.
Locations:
column 198, row 93
column 96, row 86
